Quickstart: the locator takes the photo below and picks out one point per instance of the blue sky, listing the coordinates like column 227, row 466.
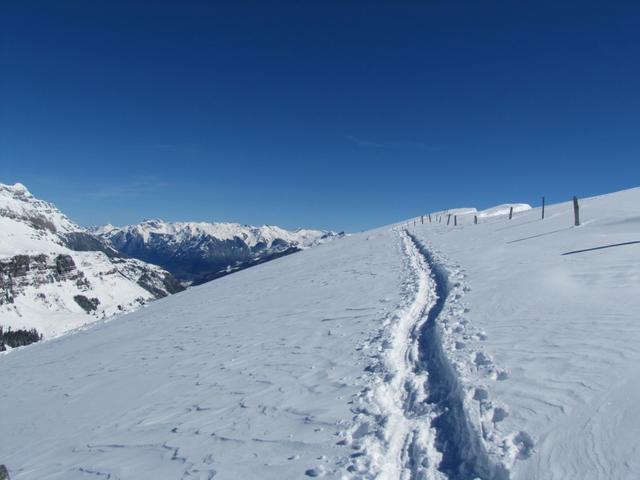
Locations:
column 333, row 114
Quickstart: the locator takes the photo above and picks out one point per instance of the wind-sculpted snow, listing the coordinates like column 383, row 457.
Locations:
column 250, row 376
column 550, row 363
column 502, row 350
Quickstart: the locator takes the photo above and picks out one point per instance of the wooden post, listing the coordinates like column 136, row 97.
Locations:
column 576, row 211
column 475, row 219
column 510, row 213
column 4, row 473
column 422, row 219
column 543, row 207
column 429, row 218
column 448, row 219
column 455, row 220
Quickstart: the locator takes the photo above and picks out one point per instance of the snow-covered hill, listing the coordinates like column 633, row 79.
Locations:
column 56, row 276
column 502, row 350
column 200, row 251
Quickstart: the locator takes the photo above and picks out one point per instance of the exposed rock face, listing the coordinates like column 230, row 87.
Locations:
column 21, row 271
column 87, row 242
column 64, row 264
column 88, row 304
column 201, row 251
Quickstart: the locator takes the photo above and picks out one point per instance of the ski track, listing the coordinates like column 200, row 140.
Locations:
column 413, row 420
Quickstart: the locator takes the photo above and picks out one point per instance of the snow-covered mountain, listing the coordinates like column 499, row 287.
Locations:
column 56, row 276
column 200, row 251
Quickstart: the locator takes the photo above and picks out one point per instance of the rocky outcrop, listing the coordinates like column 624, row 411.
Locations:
column 64, row 264
column 87, row 304
column 21, row 271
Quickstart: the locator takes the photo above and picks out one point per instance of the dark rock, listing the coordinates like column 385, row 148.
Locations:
column 42, row 223
column 86, row 242
column 4, row 473
column 19, row 266
column 64, row 264
column 87, row 304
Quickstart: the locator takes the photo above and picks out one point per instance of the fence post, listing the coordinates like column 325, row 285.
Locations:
column 510, row 213
column 429, row 218
column 475, row 219
column 543, row 207
column 455, row 220
column 422, row 219
column 448, row 219
column 576, row 211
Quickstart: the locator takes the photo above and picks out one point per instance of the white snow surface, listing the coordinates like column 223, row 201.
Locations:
column 18, row 203
column 510, row 346
column 456, row 211
column 504, row 209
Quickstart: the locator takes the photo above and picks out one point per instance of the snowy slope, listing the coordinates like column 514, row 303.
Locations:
column 489, row 351
column 197, row 251
column 56, row 276
column 554, row 342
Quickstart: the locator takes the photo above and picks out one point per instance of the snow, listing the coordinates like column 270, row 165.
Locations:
column 181, row 231
column 50, row 308
column 559, row 328
column 456, row 211
column 19, row 238
column 504, row 209
column 249, row 375
column 29, row 226
column 17, row 202
column 502, row 350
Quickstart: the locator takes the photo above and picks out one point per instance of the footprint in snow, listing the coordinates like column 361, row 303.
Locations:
column 318, row 471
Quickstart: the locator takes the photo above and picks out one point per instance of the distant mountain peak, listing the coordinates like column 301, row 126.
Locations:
column 56, row 275
column 200, row 251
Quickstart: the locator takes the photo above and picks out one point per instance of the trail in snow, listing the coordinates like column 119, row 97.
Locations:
column 392, row 432
column 413, row 421
column 409, row 448
column 463, row 453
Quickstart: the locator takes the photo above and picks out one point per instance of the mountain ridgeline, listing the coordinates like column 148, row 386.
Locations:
column 56, row 276
column 197, row 252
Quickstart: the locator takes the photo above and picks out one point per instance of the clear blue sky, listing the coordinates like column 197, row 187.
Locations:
column 334, row 114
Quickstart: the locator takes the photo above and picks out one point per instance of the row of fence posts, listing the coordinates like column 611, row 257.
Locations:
column 576, row 215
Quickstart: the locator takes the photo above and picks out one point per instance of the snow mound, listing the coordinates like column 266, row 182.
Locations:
column 504, row 209
column 456, row 211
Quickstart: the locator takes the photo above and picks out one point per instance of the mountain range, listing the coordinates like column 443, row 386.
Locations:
column 56, row 276
column 197, row 252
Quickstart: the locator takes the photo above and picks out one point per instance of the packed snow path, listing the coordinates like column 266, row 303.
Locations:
column 413, row 424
